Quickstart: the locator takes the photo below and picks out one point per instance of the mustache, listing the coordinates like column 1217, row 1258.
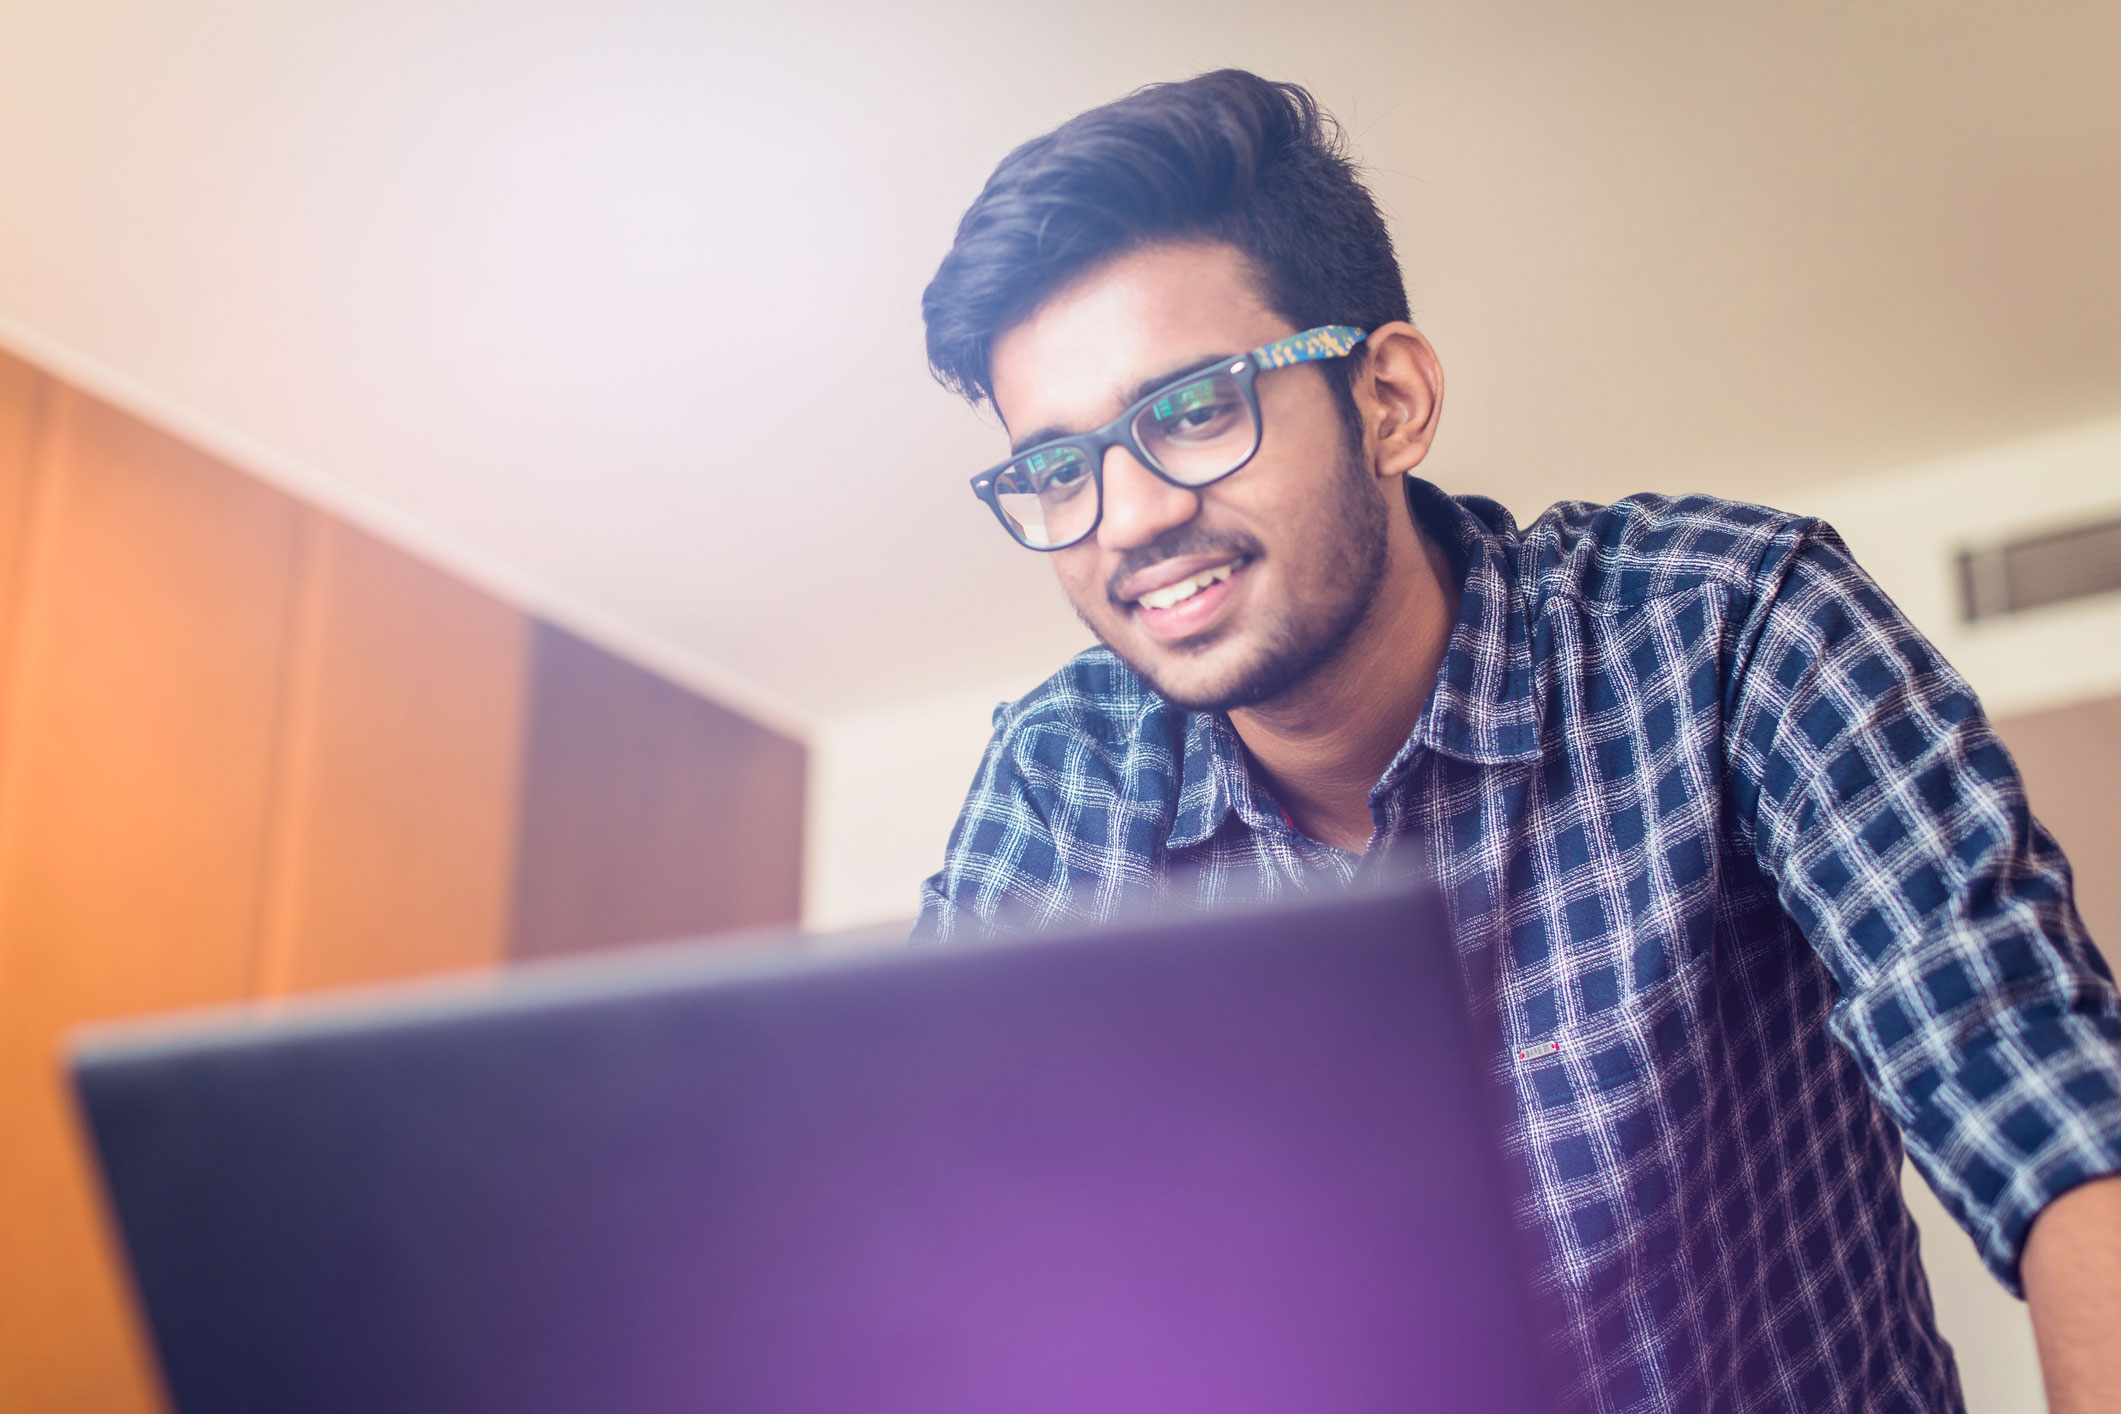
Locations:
column 1174, row 543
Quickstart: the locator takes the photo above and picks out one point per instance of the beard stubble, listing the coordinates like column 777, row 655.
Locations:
column 1301, row 639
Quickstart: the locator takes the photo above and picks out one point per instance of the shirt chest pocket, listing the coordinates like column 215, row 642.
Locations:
column 1619, row 1074
column 1613, row 1121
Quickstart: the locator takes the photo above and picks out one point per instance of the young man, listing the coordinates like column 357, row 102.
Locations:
column 1732, row 856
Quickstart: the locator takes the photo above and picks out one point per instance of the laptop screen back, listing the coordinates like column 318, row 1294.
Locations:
column 1230, row 1163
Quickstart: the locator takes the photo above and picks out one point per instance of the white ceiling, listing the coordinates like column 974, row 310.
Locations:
column 616, row 306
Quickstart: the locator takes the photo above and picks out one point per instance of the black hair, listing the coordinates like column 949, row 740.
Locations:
column 1227, row 156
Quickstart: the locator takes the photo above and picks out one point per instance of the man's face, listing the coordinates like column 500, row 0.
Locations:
column 1227, row 595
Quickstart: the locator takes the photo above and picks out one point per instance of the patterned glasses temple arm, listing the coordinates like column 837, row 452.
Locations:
column 1327, row 341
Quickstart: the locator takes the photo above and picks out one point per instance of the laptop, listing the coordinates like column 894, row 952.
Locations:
column 1235, row 1162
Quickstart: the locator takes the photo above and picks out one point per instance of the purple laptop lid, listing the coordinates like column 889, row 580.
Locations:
column 1229, row 1163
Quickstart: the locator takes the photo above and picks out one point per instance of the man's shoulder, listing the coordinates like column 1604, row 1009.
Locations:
column 1094, row 700
column 1649, row 545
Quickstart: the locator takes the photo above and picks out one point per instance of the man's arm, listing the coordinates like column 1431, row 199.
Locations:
column 959, row 900
column 1003, row 866
column 1897, row 833
column 2072, row 1272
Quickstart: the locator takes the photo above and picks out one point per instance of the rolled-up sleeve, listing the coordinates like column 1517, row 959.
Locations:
column 1896, row 831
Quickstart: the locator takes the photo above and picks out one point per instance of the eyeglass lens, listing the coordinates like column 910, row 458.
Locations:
column 1193, row 433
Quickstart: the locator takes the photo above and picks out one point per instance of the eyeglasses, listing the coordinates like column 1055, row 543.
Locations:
column 1192, row 431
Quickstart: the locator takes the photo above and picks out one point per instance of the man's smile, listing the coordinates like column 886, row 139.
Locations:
column 1185, row 589
column 1179, row 598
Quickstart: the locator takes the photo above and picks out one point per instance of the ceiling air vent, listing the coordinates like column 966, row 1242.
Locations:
column 2035, row 570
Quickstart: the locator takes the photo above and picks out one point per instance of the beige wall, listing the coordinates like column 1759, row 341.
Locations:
column 2071, row 760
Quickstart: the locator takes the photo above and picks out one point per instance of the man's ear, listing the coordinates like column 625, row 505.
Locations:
column 1399, row 390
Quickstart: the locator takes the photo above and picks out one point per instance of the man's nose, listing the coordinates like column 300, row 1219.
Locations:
column 1139, row 504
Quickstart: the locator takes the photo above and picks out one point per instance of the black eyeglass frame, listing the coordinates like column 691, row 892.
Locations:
column 1310, row 346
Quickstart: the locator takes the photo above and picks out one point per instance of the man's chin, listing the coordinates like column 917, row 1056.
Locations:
column 1213, row 676
column 1215, row 671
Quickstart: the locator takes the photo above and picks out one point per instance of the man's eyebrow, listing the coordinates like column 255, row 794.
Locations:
column 1134, row 395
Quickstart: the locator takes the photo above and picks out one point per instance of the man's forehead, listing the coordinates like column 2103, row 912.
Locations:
column 1157, row 312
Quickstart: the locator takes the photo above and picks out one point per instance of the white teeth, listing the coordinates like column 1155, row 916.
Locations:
column 1185, row 589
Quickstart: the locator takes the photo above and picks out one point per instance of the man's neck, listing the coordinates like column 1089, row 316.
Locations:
column 1325, row 743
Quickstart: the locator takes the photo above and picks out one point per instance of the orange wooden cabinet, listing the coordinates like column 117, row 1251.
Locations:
column 395, row 776
column 149, row 657
column 245, row 749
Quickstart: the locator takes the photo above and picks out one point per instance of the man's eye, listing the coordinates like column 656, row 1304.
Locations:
column 1199, row 419
column 1195, row 423
column 1197, row 412
column 1048, row 474
column 1064, row 485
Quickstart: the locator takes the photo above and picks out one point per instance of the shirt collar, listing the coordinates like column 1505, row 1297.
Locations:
column 1480, row 710
column 1211, row 777
column 1482, row 706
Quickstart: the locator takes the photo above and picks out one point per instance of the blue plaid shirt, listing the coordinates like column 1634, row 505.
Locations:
column 1739, row 868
